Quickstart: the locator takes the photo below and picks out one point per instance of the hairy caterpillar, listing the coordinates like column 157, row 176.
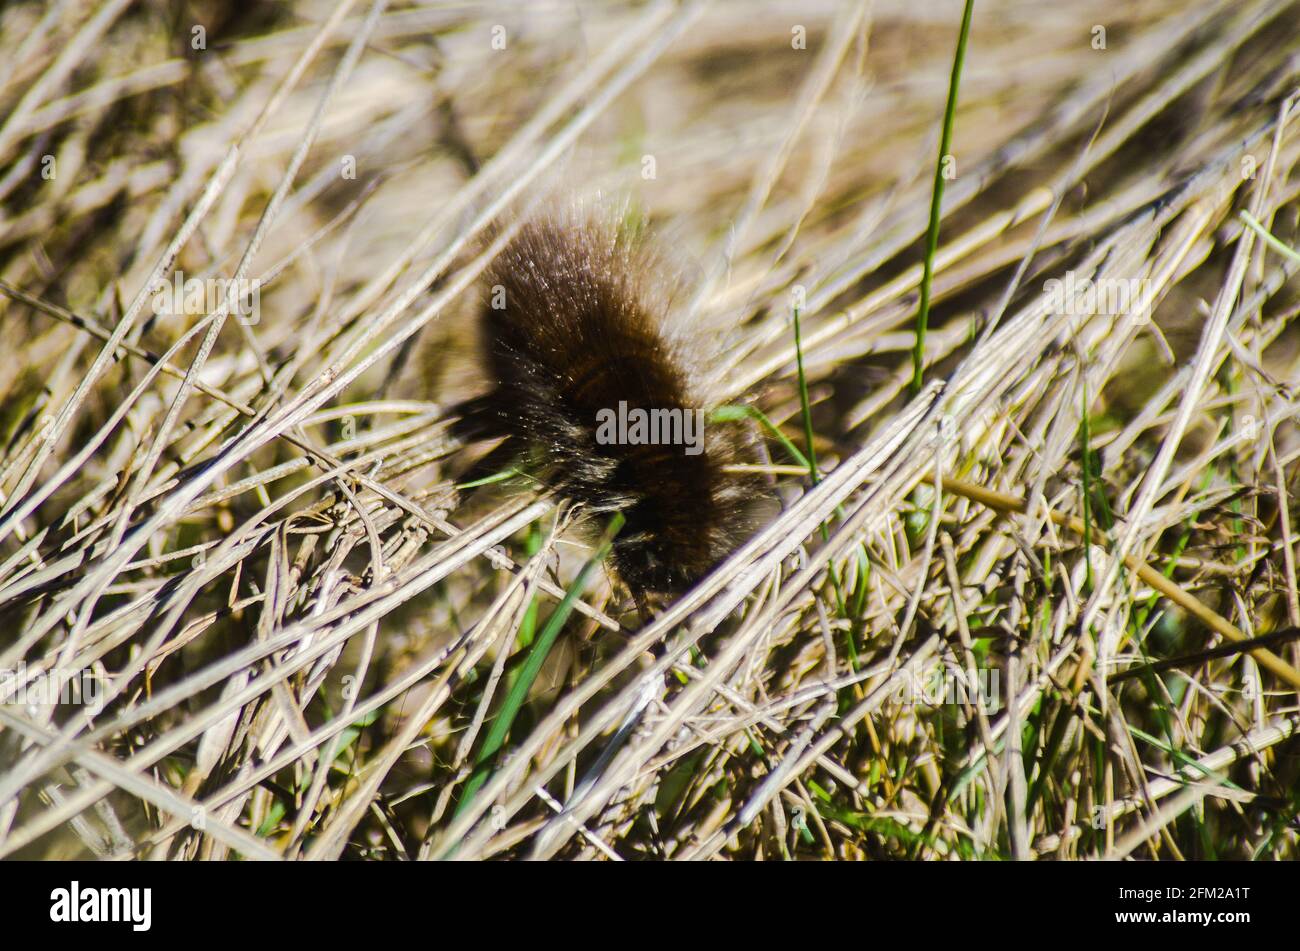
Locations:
column 578, row 339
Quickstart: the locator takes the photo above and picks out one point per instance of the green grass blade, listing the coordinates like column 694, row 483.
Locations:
column 936, row 200
column 541, row 648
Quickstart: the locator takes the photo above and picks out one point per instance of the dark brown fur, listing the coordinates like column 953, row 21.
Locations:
column 583, row 328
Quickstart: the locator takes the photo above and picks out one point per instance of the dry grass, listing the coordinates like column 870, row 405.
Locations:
column 250, row 533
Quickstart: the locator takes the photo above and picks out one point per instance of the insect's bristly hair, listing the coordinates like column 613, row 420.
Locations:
column 574, row 325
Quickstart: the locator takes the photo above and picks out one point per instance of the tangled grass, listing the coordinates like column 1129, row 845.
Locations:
column 240, row 523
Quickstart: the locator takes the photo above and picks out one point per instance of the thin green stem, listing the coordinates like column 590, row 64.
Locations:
column 804, row 404
column 936, row 200
column 1267, row 235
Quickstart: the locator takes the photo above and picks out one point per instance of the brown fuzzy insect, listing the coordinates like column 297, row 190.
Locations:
column 576, row 331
